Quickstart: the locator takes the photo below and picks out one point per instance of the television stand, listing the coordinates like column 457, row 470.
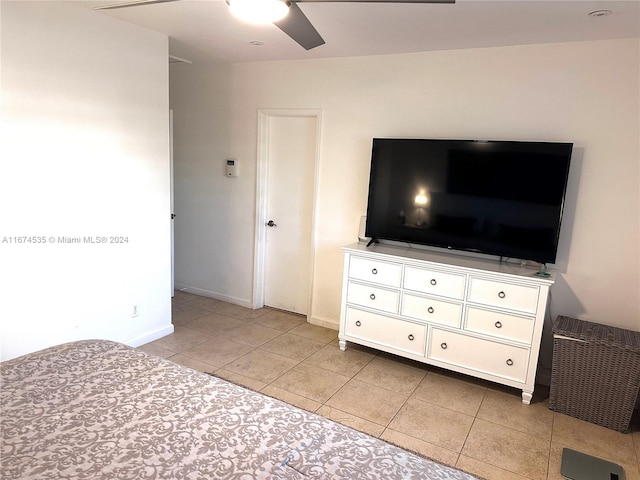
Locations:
column 473, row 316
column 372, row 241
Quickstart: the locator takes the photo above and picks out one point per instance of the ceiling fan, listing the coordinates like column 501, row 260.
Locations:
column 290, row 19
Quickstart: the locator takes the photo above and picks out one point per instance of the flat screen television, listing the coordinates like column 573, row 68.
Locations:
column 501, row 198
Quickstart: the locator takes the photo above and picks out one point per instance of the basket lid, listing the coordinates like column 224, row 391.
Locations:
column 596, row 333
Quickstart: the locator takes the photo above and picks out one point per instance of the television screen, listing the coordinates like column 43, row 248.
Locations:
column 502, row 198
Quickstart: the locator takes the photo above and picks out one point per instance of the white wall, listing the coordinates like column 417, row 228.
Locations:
column 84, row 154
column 586, row 93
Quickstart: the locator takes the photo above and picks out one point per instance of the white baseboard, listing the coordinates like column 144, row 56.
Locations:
column 218, row 296
column 150, row 337
column 324, row 322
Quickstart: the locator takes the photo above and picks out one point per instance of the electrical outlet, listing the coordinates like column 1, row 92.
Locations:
column 135, row 311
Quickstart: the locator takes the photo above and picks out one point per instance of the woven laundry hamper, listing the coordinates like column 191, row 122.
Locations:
column 596, row 372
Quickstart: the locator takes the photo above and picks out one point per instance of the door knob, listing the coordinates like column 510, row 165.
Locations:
column 271, row 223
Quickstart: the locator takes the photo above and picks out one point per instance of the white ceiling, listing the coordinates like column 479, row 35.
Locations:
column 204, row 31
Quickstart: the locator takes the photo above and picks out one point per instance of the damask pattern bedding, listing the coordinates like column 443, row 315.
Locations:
column 102, row 410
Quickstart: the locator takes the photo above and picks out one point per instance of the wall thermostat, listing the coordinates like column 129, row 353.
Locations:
column 232, row 167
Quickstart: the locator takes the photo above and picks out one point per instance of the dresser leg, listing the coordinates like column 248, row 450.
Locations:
column 526, row 397
column 343, row 344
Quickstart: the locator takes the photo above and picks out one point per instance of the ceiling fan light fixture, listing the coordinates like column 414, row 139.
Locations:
column 259, row 11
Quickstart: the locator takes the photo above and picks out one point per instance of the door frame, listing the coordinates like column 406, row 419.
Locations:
column 262, row 179
column 172, row 205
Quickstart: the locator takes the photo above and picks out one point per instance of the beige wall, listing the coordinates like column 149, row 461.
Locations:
column 84, row 153
column 586, row 93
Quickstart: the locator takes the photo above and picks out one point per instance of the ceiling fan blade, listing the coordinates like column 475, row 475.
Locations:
column 377, row 1
column 135, row 3
column 299, row 28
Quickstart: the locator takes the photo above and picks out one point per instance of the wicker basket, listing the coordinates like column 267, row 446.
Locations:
column 596, row 372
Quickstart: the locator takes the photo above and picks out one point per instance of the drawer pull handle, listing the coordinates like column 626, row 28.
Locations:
column 433, row 281
column 498, row 324
column 374, row 271
column 372, row 296
column 358, row 323
column 443, row 346
column 502, row 294
column 509, row 362
column 430, row 310
column 411, row 337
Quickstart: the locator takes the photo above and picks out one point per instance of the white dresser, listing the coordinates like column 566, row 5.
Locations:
column 474, row 316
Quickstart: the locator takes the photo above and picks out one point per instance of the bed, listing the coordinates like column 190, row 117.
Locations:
column 98, row 409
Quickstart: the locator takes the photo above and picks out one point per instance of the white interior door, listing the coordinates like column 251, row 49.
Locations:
column 290, row 163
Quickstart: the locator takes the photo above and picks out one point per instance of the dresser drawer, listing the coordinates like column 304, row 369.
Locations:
column 434, row 282
column 504, row 361
column 375, row 271
column 500, row 325
column 431, row 310
column 522, row 298
column 401, row 335
column 373, row 297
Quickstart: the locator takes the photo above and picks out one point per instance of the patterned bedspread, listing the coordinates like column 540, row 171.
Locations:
column 102, row 410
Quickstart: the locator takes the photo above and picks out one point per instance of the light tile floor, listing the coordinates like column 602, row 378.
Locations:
column 477, row 426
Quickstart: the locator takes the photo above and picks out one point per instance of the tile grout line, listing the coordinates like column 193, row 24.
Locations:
column 553, row 421
column 386, row 427
column 344, row 385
